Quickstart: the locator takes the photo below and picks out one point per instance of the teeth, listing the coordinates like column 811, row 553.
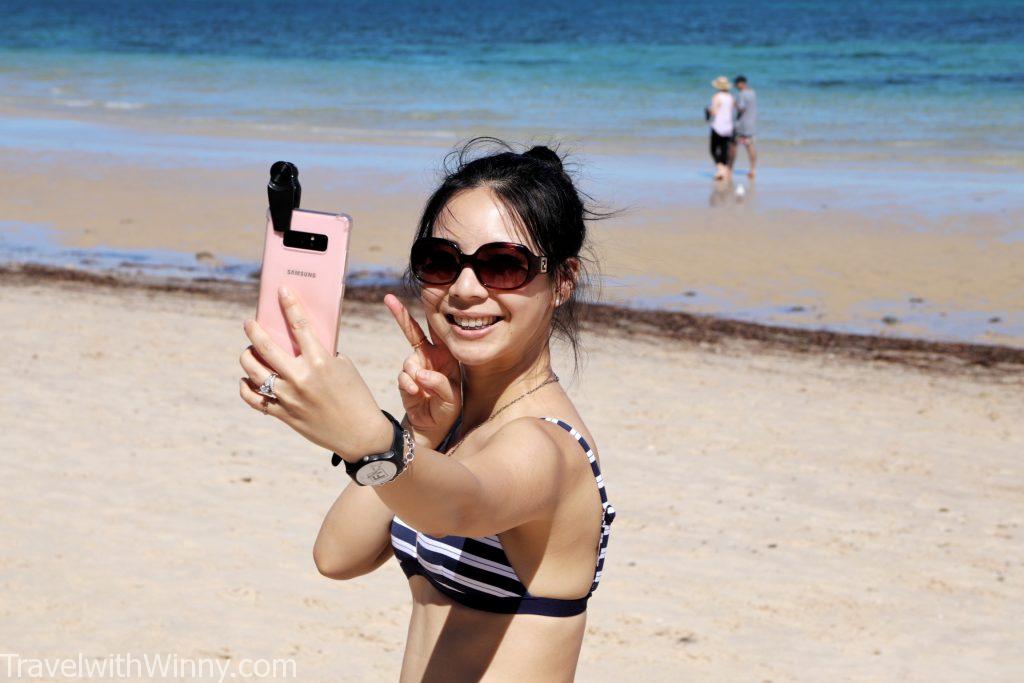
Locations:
column 474, row 323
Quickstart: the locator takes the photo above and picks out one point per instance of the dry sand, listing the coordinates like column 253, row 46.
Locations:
column 781, row 517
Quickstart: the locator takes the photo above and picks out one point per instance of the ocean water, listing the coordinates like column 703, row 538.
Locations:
column 900, row 76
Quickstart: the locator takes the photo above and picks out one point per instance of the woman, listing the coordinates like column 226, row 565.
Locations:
column 498, row 515
column 721, row 114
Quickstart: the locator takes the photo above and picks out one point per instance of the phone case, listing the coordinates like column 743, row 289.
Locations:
column 316, row 277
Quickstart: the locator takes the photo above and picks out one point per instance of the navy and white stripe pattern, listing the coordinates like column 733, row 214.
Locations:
column 475, row 572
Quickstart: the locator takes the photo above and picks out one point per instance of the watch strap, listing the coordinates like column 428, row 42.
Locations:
column 380, row 468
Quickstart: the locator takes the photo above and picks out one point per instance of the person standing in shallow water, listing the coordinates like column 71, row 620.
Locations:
column 721, row 114
column 746, row 122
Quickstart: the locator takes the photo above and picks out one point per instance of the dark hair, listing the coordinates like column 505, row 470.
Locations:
column 740, row 79
column 534, row 187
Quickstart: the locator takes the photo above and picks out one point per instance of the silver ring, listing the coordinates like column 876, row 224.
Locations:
column 267, row 388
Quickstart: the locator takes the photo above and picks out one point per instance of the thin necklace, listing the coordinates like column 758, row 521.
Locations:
column 549, row 380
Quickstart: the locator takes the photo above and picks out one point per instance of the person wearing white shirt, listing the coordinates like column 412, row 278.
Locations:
column 721, row 115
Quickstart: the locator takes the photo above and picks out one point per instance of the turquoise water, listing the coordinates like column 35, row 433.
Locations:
column 898, row 75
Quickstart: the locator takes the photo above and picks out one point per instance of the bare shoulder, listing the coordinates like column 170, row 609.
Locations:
column 527, row 434
column 571, row 431
column 541, row 442
column 529, row 439
column 523, row 471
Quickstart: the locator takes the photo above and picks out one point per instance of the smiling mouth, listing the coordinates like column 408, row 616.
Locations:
column 472, row 323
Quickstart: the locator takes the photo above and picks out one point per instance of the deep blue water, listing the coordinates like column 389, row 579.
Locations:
column 914, row 73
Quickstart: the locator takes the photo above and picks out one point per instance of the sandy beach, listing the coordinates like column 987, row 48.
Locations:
column 914, row 252
column 806, row 387
column 782, row 516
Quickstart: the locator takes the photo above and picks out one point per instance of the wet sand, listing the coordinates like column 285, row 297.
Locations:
column 782, row 516
column 805, row 247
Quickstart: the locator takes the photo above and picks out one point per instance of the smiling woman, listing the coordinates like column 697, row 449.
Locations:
column 489, row 492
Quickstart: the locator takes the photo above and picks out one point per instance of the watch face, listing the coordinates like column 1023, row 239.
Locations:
column 376, row 473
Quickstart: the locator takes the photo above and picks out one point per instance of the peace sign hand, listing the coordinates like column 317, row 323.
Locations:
column 431, row 379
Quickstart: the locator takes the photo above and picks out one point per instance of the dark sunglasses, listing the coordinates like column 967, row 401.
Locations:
column 497, row 265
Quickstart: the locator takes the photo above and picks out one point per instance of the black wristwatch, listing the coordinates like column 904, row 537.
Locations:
column 374, row 470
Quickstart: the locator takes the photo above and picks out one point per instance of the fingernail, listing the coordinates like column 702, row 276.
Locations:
column 285, row 292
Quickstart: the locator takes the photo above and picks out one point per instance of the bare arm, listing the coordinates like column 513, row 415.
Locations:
column 515, row 478
column 355, row 537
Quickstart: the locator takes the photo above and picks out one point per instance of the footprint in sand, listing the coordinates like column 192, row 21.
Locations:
column 240, row 594
column 315, row 603
column 605, row 636
column 678, row 636
column 222, row 653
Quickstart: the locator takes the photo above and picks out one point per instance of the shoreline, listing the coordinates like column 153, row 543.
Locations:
column 125, row 134
column 990, row 361
column 879, row 250
column 687, row 142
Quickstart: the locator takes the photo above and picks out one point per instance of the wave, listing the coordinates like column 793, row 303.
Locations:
column 76, row 104
column 931, row 78
column 125, row 106
column 86, row 103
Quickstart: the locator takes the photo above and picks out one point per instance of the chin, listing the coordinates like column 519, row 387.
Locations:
column 497, row 352
column 472, row 353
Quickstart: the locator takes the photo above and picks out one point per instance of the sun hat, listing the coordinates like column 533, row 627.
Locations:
column 721, row 83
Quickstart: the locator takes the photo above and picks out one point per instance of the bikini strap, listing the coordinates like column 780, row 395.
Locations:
column 607, row 510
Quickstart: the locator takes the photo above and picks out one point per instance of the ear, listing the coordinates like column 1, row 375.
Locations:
column 566, row 280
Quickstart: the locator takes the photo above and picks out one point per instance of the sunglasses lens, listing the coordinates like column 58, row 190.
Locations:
column 502, row 267
column 435, row 262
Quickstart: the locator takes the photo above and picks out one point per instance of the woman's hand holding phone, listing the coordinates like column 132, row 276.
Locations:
column 318, row 394
column 430, row 381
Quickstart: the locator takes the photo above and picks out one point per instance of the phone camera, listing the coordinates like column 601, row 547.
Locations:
column 310, row 241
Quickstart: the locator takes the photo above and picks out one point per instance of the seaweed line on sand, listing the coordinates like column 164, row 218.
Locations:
column 991, row 361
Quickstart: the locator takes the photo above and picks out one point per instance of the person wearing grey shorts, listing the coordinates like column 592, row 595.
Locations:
column 746, row 121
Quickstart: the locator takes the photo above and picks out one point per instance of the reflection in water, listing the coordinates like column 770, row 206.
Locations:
column 731, row 193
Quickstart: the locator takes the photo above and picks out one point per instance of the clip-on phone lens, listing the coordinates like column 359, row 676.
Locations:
column 283, row 194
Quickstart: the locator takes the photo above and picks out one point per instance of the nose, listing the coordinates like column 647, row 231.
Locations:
column 467, row 286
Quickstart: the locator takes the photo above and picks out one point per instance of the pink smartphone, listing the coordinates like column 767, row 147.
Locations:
column 310, row 259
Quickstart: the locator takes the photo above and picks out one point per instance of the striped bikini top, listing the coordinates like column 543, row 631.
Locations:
column 475, row 572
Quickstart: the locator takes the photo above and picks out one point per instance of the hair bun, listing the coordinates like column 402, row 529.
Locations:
column 545, row 154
